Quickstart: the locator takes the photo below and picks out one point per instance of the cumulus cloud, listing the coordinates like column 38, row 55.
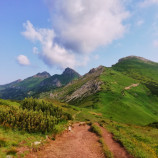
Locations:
column 52, row 53
column 78, row 28
column 147, row 3
column 85, row 25
column 23, row 60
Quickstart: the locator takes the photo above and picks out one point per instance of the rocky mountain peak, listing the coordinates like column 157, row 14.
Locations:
column 43, row 75
column 98, row 69
column 70, row 72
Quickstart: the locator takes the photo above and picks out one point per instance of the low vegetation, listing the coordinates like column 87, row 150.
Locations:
column 139, row 141
column 32, row 116
column 29, row 121
column 96, row 129
column 107, row 152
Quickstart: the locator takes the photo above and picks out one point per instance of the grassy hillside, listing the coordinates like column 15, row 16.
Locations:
column 122, row 102
column 137, row 67
column 30, row 82
column 141, row 69
column 139, row 141
column 114, row 94
column 21, row 88
column 2, row 87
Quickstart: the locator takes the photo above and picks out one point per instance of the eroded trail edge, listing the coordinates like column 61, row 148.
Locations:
column 117, row 150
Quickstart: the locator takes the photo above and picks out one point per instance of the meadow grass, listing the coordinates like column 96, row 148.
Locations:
column 139, row 141
column 10, row 140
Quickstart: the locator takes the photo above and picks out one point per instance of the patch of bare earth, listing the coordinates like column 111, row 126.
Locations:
column 117, row 150
column 78, row 143
column 133, row 85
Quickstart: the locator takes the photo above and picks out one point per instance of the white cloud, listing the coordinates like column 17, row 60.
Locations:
column 155, row 43
column 85, row 25
column 52, row 53
column 78, row 29
column 23, row 60
column 147, row 3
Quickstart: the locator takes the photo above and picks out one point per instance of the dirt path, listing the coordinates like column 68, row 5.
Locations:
column 78, row 143
column 117, row 150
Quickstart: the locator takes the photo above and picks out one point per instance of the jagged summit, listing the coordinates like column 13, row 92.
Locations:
column 71, row 72
column 99, row 68
column 42, row 75
column 57, row 80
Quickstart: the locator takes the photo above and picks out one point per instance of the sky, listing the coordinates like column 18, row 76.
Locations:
column 50, row 35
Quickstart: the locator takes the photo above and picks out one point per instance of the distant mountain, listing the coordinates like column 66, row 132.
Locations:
column 12, row 84
column 85, row 86
column 42, row 75
column 57, row 81
column 36, row 84
column 20, row 89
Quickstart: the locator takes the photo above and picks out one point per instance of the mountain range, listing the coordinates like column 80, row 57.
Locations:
column 123, row 99
column 40, row 82
column 126, row 92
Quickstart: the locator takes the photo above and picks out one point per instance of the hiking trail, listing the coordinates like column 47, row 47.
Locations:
column 80, row 143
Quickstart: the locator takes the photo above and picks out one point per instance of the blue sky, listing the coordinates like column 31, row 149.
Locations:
column 50, row 35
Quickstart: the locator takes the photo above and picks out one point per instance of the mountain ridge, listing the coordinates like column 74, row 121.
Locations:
column 119, row 95
column 37, row 83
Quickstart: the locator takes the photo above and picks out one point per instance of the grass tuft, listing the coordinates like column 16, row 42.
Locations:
column 12, row 151
column 107, row 152
column 96, row 129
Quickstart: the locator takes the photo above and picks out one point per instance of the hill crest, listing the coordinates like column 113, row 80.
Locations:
column 135, row 57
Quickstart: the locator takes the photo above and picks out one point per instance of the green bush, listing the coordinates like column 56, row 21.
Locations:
column 32, row 116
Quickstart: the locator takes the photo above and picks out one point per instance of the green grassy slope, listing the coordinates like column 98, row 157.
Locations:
column 30, row 82
column 135, row 105
column 141, row 69
column 120, row 98
column 140, row 142
column 2, row 87
column 137, row 67
column 20, row 90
